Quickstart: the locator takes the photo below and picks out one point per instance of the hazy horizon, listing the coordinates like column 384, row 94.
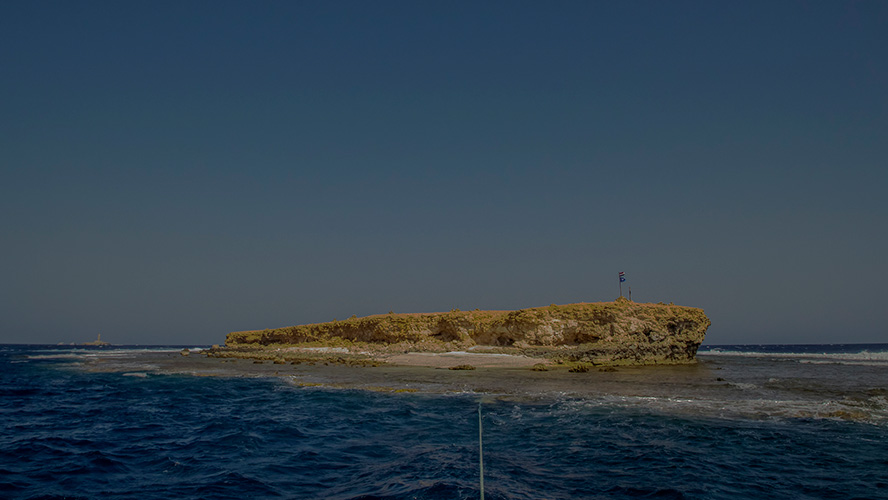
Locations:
column 174, row 171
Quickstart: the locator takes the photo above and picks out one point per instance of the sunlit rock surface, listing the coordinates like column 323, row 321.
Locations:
column 620, row 332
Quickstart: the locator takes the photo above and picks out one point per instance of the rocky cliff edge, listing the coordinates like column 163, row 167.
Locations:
column 608, row 333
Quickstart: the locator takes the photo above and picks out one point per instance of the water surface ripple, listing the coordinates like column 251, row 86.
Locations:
column 70, row 433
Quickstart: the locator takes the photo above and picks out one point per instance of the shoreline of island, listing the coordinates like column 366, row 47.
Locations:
column 427, row 373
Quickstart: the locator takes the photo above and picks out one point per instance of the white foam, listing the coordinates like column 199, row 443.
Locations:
column 55, row 356
column 101, row 353
column 341, row 350
column 874, row 358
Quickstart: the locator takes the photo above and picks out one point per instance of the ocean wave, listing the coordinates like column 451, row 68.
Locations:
column 101, row 353
column 875, row 358
column 67, row 355
column 81, row 433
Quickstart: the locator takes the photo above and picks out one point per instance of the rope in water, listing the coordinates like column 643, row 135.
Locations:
column 480, row 452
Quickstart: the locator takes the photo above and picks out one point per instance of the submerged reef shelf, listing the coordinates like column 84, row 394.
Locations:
column 621, row 332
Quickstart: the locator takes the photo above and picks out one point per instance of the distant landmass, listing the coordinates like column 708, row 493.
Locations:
column 621, row 332
column 97, row 342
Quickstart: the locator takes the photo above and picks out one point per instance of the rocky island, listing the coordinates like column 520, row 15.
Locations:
column 621, row 332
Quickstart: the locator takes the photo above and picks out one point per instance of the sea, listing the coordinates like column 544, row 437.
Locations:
column 748, row 421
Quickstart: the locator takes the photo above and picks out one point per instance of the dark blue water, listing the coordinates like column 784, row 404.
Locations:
column 69, row 433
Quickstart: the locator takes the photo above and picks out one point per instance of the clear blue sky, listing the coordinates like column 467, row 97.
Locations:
column 173, row 171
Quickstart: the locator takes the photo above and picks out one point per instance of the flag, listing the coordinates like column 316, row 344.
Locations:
column 622, row 276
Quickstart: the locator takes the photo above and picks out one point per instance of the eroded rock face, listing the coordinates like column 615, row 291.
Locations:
column 619, row 332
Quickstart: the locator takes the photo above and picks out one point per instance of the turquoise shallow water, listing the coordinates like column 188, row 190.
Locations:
column 70, row 433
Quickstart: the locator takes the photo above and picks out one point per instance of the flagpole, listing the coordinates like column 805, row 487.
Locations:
column 621, row 285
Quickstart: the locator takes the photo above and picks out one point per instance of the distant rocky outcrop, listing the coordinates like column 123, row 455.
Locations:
column 98, row 342
column 619, row 332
